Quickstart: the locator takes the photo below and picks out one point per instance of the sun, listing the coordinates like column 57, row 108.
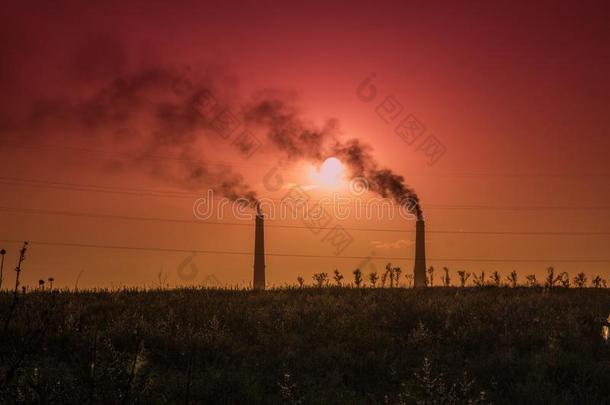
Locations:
column 330, row 174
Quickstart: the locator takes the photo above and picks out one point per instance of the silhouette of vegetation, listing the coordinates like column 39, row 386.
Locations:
column 564, row 280
column 357, row 278
column 429, row 386
column 446, row 277
column 2, row 253
column 430, row 276
column 397, row 271
column 551, row 278
column 338, row 278
column 409, row 278
column 392, row 274
column 464, row 276
column 512, row 279
column 373, row 277
column 478, row 279
column 307, row 345
column 495, row 279
column 321, row 279
column 326, row 344
column 580, row 280
column 531, row 280
column 598, row 282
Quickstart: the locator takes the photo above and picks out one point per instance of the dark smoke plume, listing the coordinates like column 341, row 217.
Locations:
column 297, row 139
column 285, row 128
column 154, row 112
column 158, row 111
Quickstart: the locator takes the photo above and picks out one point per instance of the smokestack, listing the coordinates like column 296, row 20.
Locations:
column 259, row 251
column 420, row 255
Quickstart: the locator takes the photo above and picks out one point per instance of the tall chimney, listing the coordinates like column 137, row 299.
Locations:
column 420, row 254
column 259, row 251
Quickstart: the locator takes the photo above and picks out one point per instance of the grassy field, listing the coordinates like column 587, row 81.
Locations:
column 310, row 345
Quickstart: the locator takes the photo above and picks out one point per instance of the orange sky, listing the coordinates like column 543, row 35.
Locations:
column 517, row 94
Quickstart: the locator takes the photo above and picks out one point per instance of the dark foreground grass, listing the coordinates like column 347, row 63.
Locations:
column 330, row 345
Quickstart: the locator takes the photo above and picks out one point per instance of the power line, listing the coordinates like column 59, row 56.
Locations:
column 224, row 252
column 199, row 222
column 176, row 194
column 98, row 188
column 262, row 165
column 114, row 154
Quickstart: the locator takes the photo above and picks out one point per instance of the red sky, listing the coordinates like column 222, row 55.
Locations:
column 518, row 94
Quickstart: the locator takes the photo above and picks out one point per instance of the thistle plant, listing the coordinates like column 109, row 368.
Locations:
column 357, row 277
column 321, row 279
column 397, row 271
column 18, row 268
column 495, row 279
column 409, row 278
column 338, row 277
column 432, row 387
column 373, row 277
column 446, row 277
column 551, row 280
column 15, row 300
column 512, row 279
column 478, row 279
column 431, row 276
column 464, row 276
column 383, row 278
column 580, row 280
column 564, row 279
column 531, row 280
column 389, row 272
column 2, row 253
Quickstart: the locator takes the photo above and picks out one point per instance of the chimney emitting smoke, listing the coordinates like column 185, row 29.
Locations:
column 259, row 251
column 419, row 270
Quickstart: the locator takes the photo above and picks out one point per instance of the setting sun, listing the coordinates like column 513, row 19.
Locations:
column 330, row 174
column 395, row 202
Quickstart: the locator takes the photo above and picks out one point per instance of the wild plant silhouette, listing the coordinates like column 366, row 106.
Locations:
column 352, row 341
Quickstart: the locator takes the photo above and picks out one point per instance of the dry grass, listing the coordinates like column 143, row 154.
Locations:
column 307, row 345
